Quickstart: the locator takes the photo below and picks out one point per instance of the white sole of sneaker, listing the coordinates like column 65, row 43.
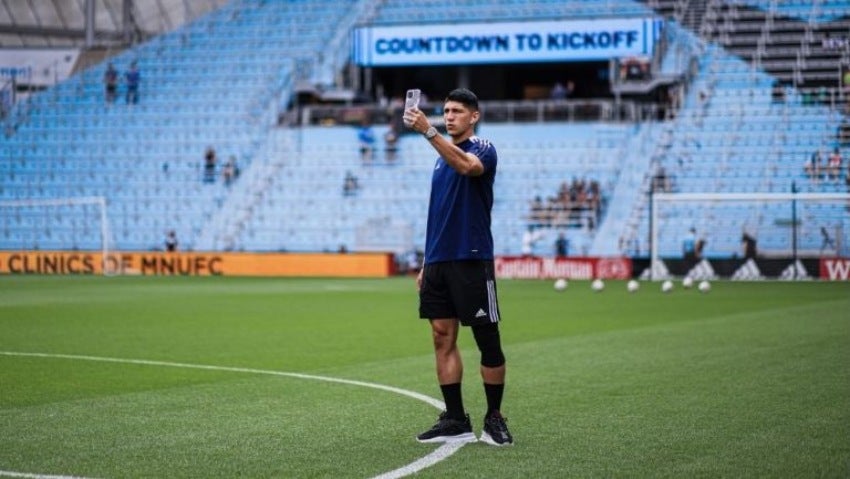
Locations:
column 489, row 440
column 465, row 437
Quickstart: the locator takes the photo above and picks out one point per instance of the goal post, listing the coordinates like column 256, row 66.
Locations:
column 58, row 224
column 788, row 226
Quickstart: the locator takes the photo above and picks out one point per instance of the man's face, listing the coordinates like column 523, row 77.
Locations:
column 459, row 118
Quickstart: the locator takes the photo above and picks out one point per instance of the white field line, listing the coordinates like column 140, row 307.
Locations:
column 436, row 456
column 36, row 476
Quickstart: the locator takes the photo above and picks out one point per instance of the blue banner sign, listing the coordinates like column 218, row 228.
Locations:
column 505, row 42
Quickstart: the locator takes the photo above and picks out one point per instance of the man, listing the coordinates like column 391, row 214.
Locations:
column 366, row 137
column 457, row 284
column 828, row 242
column 689, row 244
column 110, row 78
column 748, row 244
column 171, row 241
column 133, row 78
column 529, row 240
column 562, row 246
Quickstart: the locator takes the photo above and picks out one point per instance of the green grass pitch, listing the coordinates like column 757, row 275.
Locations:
column 749, row 380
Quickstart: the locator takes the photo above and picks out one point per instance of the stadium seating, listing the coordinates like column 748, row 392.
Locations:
column 733, row 137
column 303, row 206
column 807, row 10
column 434, row 11
column 146, row 159
column 787, row 39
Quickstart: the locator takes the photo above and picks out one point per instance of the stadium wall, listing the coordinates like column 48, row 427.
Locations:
column 743, row 269
column 367, row 265
column 378, row 265
column 533, row 267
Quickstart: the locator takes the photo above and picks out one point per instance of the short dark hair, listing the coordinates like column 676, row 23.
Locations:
column 464, row 96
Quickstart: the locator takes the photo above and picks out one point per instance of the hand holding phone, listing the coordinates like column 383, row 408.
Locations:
column 411, row 99
column 411, row 102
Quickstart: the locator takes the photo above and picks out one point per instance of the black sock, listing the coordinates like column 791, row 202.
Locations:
column 454, row 400
column 494, row 397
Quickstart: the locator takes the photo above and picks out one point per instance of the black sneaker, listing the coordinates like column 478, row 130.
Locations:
column 449, row 430
column 496, row 431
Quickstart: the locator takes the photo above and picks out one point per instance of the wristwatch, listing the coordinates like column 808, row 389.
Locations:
column 430, row 133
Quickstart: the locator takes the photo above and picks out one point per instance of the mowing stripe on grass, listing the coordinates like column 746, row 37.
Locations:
column 436, row 456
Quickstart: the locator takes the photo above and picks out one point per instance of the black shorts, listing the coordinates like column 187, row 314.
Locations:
column 465, row 290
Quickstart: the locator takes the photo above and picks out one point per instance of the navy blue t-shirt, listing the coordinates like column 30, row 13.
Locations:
column 459, row 209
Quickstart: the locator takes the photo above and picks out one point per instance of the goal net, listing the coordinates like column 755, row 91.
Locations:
column 77, row 224
column 746, row 235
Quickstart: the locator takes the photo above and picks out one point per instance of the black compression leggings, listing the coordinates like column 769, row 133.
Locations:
column 490, row 344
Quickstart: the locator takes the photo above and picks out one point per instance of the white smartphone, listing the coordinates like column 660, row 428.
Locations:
column 411, row 99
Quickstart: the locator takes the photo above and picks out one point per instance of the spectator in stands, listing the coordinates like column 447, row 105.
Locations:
column 230, row 171
column 689, row 246
column 812, row 166
column 635, row 68
column 748, row 243
column 594, row 202
column 110, row 81
column 674, row 101
column 661, row 181
column 209, row 165
column 576, row 204
column 390, row 143
column 5, row 103
column 834, row 165
column 831, row 43
column 171, row 241
column 538, row 212
column 565, row 192
column 350, row 185
column 828, row 242
column 413, row 259
column 366, row 137
column 561, row 91
column 133, row 78
column 561, row 212
column 699, row 248
column 704, row 98
column 629, row 246
column 826, row 41
column 529, row 240
column 562, row 246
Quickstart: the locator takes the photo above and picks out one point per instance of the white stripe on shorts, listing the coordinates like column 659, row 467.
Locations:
column 491, row 301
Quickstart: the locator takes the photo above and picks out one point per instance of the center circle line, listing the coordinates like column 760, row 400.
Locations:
column 441, row 453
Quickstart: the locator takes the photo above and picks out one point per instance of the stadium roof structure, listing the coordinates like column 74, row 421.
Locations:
column 62, row 23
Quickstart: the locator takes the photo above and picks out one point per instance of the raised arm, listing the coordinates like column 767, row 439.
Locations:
column 464, row 163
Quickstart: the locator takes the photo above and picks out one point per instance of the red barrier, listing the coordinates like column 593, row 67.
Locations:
column 835, row 269
column 530, row 267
